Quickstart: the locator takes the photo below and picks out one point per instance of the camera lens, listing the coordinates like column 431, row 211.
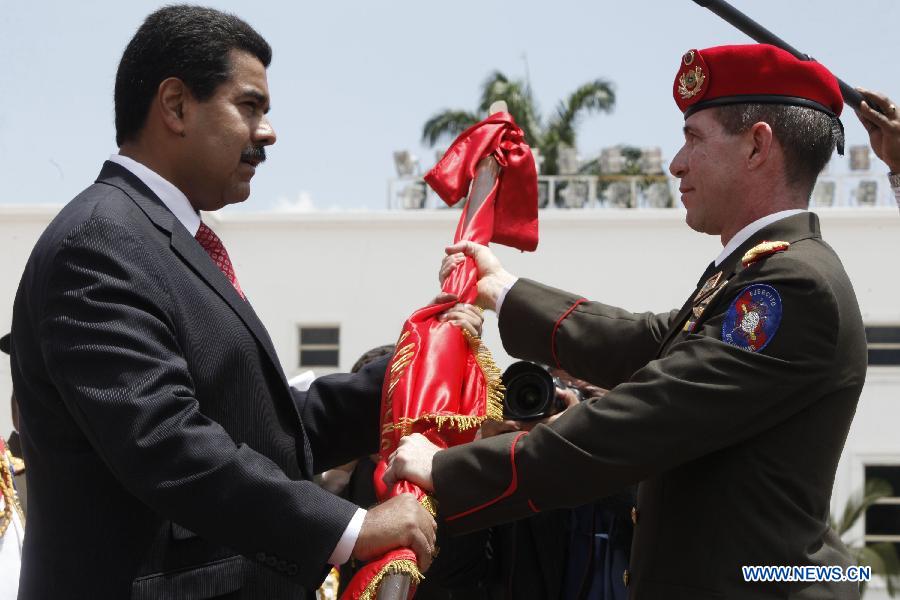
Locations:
column 530, row 396
column 530, row 392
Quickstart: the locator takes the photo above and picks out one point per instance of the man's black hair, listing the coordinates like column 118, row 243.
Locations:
column 806, row 135
column 191, row 43
column 372, row 355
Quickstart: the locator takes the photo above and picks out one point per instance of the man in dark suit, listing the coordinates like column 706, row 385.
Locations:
column 732, row 411
column 168, row 457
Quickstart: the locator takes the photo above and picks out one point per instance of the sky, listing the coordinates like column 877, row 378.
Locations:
column 351, row 82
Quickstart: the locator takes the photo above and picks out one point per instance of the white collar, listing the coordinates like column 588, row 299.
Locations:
column 744, row 234
column 171, row 196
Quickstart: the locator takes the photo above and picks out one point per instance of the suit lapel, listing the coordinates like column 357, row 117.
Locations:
column 790, row 229
column 190, row 251
column 184, row 244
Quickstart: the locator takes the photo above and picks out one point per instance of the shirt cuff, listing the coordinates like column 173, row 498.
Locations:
column 502, row 295
column 347, row 542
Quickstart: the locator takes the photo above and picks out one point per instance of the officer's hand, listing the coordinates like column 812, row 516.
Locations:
column 400, row 522
column 884, row 129
column 492, row 277
column 412, row 461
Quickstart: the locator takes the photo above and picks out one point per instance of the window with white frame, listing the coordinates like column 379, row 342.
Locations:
column 884, row 345
column 319, row 346
column 883, row 517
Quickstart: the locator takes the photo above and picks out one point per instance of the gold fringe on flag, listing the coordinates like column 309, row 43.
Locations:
column 492, row 375
column 8, row 492
column 429, row 504
column 406, row 567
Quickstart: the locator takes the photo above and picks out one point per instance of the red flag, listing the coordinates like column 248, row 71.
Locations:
column 441, row 382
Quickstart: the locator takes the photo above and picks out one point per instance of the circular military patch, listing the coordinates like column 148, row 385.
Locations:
column 753, row 318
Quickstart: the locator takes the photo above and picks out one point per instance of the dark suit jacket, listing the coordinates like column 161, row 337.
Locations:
column 167, row 456
column 736, row 450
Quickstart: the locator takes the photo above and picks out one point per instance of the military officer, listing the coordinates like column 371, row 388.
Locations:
column 731, row 411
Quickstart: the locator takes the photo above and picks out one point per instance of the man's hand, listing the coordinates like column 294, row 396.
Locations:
column 492, row 277
column 400, row 522
column 464, row 316
column 412, row 461
column 884, row 129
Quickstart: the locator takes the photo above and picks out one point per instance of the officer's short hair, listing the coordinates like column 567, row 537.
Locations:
column 806, row 135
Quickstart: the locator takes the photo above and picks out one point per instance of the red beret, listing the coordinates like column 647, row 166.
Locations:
column 753, row 73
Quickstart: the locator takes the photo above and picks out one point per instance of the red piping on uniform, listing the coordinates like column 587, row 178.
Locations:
column 555, row 327
column 508, row 492
column 532, row 506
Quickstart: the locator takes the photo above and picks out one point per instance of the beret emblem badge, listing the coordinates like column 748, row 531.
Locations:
column 691, row 81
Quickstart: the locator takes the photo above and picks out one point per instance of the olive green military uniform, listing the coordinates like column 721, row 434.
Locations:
column 736, row 448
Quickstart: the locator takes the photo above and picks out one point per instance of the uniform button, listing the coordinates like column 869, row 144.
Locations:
column 282, row 565
column 271, row 561
column 634, row 515
column 626, row 577
column 292, row 570
column 261, row 556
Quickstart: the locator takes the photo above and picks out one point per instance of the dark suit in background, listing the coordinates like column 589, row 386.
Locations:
column 167, row 456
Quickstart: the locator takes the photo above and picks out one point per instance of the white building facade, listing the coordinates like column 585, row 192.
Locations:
column 361, row 274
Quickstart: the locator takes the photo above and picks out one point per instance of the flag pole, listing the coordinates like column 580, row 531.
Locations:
column 762, row 35
column 396, row 586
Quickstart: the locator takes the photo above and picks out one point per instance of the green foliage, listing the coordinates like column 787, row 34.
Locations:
column 448, row 122
column 594, row 96
column 881, row 557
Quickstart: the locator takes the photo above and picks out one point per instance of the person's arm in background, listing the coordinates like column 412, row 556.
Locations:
column 884, row 133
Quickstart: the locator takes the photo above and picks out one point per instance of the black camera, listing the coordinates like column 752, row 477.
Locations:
column 530, row 392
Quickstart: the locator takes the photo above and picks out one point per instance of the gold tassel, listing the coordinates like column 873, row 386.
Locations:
column 429, row 504
column 406, row 567
column 8, row 492
column 457, row 422
column 492, row 376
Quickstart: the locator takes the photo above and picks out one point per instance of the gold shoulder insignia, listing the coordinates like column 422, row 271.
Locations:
column 762, row 250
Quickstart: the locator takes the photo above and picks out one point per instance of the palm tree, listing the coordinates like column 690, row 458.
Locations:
column 559, row 131
column 882, row 557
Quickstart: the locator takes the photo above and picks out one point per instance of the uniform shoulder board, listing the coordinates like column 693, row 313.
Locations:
column 762, row 250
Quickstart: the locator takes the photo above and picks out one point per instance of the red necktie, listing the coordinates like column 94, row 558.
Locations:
column 216, row 250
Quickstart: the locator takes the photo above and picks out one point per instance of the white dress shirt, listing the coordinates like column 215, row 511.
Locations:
column 171, row 196
column 744, row 234
column 177, row 202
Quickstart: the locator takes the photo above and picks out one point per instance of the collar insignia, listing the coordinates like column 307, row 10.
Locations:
column 703, row 298
column 708, row 286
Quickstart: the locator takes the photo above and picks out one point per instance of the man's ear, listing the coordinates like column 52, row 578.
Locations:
column 171, row 98
column 759, row 144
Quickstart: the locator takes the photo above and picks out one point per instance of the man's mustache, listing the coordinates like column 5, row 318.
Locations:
column 254, row 154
